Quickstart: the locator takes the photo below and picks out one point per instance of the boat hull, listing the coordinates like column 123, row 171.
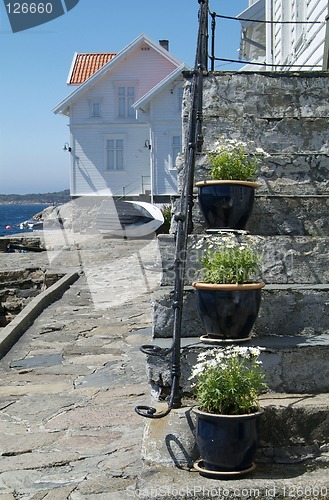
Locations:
column 130, row 219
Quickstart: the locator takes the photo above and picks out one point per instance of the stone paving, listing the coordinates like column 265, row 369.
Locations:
column 69, row 386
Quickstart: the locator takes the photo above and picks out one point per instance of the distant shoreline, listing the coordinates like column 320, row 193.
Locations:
column 28, row 202
column 54, row 198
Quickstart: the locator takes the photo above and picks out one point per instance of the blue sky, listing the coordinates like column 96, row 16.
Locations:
column 35, row 64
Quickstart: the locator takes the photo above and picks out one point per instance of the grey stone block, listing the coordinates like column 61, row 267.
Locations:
column 285, row 259
column 297, row 364
column 285, row 310
column 282, row 215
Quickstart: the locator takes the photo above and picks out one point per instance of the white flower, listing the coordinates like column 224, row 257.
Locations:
column 229, row 145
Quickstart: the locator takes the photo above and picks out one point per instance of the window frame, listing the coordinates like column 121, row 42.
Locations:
column 92, row 102
column 173, row 146
column 115, row 137
column 129, row 112
column 180, row 94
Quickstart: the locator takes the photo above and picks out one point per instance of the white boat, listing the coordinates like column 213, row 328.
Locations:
column 130, row 219
column 31, row 224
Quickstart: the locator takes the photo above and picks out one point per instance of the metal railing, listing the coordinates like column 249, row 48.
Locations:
column 214, row 16
column 183, row 218
column 141, row 185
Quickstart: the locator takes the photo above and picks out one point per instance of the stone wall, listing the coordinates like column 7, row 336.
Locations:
column 18, row 288
column 286, row 114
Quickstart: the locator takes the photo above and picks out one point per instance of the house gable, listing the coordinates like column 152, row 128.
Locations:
column 144, row 102
column 149, row 58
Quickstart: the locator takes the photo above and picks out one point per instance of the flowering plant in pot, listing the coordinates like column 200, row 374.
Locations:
column 227, row 198
column 229, row 295
column 227, row 383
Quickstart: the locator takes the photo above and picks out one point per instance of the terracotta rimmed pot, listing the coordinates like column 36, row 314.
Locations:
column 226, row 204
column 227, row 443
column 228, row 311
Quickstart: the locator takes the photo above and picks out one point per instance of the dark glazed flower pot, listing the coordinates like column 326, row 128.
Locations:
column 228, row 312
column 227, row 443
column 226, row 204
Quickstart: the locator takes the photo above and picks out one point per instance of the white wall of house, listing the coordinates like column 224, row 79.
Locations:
column 299, row 44
column 90, row 173
column 287, row 46
column 165, row 119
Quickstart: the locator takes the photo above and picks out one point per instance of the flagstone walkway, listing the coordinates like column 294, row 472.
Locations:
column 69, row 386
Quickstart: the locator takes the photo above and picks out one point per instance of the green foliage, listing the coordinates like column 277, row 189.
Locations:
column 166, row 212
column 225, row 261
column 231, row 160
column 165, row 227
column 228, row 381
column 234, row 165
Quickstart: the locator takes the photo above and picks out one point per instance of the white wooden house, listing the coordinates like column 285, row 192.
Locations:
column 294, row 37
column 125, row 121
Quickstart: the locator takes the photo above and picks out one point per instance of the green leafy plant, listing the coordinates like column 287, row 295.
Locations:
column 228, row 381
column 228, row 262
column 232, row 160
column 167, row 213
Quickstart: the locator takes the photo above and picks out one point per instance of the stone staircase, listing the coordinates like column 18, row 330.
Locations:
column 286, row 115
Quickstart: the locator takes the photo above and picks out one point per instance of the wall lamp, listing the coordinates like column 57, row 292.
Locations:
column 67, row 147
column 147, row 144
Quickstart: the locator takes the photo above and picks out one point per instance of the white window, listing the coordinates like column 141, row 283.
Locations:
column 95, row 108
column 126, row 98
column 176, row 148
column 180, row 93
column 115, row 153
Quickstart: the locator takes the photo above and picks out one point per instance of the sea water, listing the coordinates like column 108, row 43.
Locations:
column 11, row 215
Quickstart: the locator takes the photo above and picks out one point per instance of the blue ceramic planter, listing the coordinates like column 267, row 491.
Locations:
column 227, row 443
column 228, row 312
column 226, row 204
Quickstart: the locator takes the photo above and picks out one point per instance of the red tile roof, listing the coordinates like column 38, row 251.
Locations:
column 85, row 65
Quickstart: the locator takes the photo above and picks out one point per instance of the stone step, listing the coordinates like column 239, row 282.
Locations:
column 278, row 117
column 293, row 427
column 290, row 215
column 292, row 460
column 294, row 174
column 285, row 310
column 286, row 259
column 306, row 480
column 285, row 173
column 293, row 364
column 283, row 215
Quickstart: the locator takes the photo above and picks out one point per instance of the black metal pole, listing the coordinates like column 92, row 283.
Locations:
column 213, row 30
column 184, row 219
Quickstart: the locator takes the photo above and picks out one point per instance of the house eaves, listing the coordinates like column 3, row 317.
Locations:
column 143, row 102
column 252, row 43
column 63, row 106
